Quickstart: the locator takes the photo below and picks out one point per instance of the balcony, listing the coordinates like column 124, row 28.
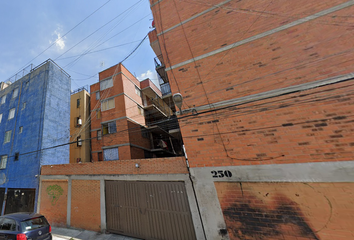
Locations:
column 165, row 89
column 160, row 69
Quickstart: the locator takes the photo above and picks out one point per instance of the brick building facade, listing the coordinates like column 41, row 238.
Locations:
column 267, row 114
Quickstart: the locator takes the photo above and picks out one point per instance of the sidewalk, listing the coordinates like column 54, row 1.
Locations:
column 74, row 234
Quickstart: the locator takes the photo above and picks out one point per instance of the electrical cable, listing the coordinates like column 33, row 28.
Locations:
column 98, row 29
column 65, row 34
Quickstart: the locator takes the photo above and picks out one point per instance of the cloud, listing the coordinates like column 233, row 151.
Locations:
column 152, row 75
column 59, row 41
column 148, row 74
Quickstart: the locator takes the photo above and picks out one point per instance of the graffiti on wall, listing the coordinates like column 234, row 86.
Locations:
column 54, row 192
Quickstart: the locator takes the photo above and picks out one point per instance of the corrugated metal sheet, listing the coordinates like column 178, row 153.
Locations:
column 149, row 210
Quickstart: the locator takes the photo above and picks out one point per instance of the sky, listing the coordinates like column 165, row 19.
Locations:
column 84, row 37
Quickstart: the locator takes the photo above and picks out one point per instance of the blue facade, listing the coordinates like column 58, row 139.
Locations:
column 40, row 122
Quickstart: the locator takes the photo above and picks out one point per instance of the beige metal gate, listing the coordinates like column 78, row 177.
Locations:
column 149, row 210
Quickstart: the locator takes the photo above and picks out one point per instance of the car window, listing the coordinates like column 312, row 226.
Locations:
column 34, row 223
column 7, row 224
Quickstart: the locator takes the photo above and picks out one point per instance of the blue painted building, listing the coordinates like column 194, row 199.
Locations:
column 34, row 122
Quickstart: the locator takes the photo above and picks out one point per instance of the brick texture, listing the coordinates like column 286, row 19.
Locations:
column 175, row 165
column 287, row 210
column 85, row 205
column 311, row 126
column 53, row 201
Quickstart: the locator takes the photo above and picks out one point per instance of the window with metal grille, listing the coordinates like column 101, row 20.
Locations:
column 110, row 154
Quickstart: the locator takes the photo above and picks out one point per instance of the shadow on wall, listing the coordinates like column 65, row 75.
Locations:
column 250, row 217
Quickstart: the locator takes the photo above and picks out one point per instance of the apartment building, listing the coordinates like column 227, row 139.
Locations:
column 137, row 183
column 129, row 119
column 34, row 124
column 80, row 123
column 267, row 116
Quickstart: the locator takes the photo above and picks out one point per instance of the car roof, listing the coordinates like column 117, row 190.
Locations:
column 22, row 216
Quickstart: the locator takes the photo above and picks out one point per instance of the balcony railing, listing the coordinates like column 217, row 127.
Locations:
column 165, row 89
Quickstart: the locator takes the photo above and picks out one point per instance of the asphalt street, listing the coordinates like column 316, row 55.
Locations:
column 76, row 234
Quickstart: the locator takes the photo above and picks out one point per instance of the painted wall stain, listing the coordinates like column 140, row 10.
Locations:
column 54, row 192
column 247, row 221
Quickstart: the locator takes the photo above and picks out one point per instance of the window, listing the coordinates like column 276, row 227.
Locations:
column 78, row 103
column 100, row 158
column 79, row 141
column 3, row 162
column 78, row 122
column 97, row 95
column 12, row 113
column 15, row 93
column 0, row 117
column 7, row 136
column 17, row 155
column 106, row 84
column 8, row 224
column 99, row 134
column 3, row 99
column 137, row 91
column 109, row 128
column 20, row 130
column 24, row 105
column 34, row 223
column 98, row 114
column 110, row 154
column 107, row 104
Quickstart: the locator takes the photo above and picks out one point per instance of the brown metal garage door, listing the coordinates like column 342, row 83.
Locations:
column 149, row 210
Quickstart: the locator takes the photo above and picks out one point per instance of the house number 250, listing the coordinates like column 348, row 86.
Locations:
column 221, row 174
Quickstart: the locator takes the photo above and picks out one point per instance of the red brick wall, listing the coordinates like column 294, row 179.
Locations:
column 147, row 166
column 287, row 210
column 53, row 201
column 148, row 83
column 303, row 53
column 135, row 136
column 310, row 126
column 85, row 204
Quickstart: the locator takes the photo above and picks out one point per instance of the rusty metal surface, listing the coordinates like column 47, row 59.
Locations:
column 149, row 210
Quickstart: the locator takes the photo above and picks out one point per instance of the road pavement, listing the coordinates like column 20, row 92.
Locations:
column 77, row 234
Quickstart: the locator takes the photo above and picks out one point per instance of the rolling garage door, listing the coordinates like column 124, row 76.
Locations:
column 149, row 210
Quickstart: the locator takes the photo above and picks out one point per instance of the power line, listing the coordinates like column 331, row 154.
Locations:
column 134, row 49
column 65, row 34
column 100, row 50
column 315, row 99
column 98, row 29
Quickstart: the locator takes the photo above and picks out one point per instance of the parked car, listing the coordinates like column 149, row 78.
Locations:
column 24, row 226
